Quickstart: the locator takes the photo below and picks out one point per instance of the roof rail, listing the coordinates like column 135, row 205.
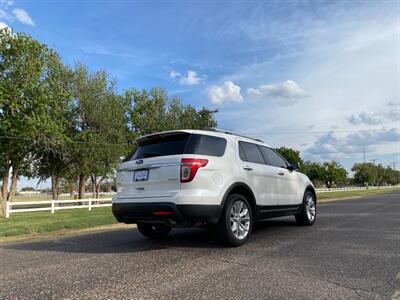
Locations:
column 232, row 133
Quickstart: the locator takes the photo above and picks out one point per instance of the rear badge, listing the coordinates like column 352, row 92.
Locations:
column 139, row 161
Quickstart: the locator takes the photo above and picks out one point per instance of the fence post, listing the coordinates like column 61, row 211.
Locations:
column 8, row 209
column 52, row 206
column 90, row 204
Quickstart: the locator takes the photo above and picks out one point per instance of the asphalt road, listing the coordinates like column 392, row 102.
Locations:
column 352, row 251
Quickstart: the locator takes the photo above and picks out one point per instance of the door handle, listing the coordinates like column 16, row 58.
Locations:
column 247, row 168
column 281, row 173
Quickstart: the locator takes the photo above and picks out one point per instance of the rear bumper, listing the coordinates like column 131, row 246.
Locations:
column 166, row 212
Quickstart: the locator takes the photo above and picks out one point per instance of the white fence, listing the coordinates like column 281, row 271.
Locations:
column 68, row 195
column 355, row 188
column 53, row 205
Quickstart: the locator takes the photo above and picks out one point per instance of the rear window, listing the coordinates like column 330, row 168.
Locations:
column 175, row 144
column 206, row 145
column 161, row 146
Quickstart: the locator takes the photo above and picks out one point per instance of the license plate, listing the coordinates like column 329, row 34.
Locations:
column 141, row 175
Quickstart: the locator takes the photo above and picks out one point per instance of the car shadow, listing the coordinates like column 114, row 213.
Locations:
column 130, row 240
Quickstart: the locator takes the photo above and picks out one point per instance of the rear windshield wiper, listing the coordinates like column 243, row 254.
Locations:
column 150, row 154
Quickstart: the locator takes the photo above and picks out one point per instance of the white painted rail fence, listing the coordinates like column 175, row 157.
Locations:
column 53, row 205
column 356, row 188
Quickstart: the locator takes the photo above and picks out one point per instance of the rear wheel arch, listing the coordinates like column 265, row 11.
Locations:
column 242, row 189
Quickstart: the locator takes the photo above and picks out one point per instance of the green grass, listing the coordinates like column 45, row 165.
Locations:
column 338, row 195
column 40, row 222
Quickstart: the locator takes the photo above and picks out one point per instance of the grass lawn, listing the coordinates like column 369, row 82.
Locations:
column 337, row 195
column 40, row 222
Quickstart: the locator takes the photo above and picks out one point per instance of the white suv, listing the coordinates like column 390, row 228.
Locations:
column 209, row 178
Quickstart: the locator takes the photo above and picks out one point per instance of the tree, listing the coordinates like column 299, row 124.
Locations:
column 99, row 127
column 52, row 151
column 154, row 111
column 24, row 105
column 314, row 171
column 291, row 155
column 333, row 173
column 364, row 173
column 368, row 173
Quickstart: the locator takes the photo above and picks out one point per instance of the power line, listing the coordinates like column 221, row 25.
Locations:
column 24, row 138
column 318, row 132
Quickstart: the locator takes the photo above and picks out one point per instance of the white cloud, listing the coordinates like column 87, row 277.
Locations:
column 5, row 15
column 227, row 92
column 284, row 93
column 333, row 143
column 174, row 74
column 7, row 3
column 394, row 111
column 191, row 77
column 366, row 117
column 23, row 16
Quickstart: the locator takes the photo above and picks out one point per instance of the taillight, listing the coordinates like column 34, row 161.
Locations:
column 189, row 167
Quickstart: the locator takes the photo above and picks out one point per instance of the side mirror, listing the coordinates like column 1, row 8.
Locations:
column 294, row 166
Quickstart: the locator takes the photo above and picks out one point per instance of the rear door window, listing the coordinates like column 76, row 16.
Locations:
column 206, row 145
column 250, row 152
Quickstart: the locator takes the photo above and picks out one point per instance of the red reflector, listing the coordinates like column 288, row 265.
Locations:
column 163, row 213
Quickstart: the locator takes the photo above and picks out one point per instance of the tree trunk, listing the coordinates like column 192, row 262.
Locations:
column 4, row 187
column 94, row 185
column 14, row 181
column 98, row 186
column 55, row 186
column 82, row 186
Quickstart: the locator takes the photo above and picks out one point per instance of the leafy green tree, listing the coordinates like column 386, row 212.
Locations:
column 390, row 176
column 333, row 173
column 154, row 111
column 370, row 174
column 24, row 105
column 314, row 171
column 364, row 173
column 291, row 155
column 99, row 127
column 51, row 156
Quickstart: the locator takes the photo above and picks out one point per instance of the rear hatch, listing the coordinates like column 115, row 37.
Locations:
column 153, row 168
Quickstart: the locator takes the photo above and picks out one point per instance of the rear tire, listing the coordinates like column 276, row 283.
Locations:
column 234, row 226
column 153, row 231
column 308, row 213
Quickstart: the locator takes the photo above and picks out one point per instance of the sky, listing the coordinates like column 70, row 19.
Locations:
column 319, row 76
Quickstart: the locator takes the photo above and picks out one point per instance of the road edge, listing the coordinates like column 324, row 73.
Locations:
column 63, row 233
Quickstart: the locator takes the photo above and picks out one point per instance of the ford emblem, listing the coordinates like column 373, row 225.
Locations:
column 139, row 161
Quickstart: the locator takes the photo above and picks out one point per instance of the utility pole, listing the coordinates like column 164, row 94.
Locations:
column 376, row 170
column 364, row 156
